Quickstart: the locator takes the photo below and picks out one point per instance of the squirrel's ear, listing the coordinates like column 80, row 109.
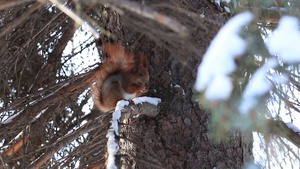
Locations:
column 143, row 60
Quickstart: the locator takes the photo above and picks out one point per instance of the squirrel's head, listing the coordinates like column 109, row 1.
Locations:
column 141, row 72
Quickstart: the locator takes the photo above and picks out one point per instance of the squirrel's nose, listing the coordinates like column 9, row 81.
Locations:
column 147, row 84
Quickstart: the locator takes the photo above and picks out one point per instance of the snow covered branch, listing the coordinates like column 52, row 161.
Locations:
column 112, row 146
column 274, row 62
column 142, row 105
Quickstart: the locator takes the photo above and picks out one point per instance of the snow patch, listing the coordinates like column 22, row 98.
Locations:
column 151, row 100
column 293, row 127
column 284, row 42
column 227, row 9
column 178, row 86
column 257, row 86
column 112, row 146
column 219, row 1
column 219, row 60
column 112, row 149
column 221, row 83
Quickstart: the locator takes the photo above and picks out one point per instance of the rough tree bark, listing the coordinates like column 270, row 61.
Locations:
column 179, row 136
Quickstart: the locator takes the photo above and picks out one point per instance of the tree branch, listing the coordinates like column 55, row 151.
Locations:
column 100, row 123
column 71, row 90
column 148, row 13
column 78, row 19
column 281, row 129
column 11, row 3
column 19, row 20
column 143, row 108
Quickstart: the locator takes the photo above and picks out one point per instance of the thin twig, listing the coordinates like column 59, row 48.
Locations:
column 75, row 17
column 11, row 3
column 2, row 161
column 42, row 29
column 77, row 85
column 279, row 128
column 21, row 19
column 152, row 14
column 64, row 141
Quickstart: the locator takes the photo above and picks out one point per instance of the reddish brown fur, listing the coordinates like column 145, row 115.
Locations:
column 123, row 72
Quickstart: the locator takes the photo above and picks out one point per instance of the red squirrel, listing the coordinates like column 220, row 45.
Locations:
column 122, row 77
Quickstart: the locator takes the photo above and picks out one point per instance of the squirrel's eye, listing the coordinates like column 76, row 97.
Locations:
column 141, row 74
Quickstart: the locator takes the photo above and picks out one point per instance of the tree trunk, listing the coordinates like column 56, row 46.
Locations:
column 179, row 136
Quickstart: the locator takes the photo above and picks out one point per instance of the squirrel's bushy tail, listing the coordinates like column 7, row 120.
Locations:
column 119, row 61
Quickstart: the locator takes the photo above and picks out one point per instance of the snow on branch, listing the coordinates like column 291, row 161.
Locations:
column 284, row 42
column 219, row 60
column 293, row 127
column 144, row 105
column 122, row 106
column 112, row 146
column 151, row 100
